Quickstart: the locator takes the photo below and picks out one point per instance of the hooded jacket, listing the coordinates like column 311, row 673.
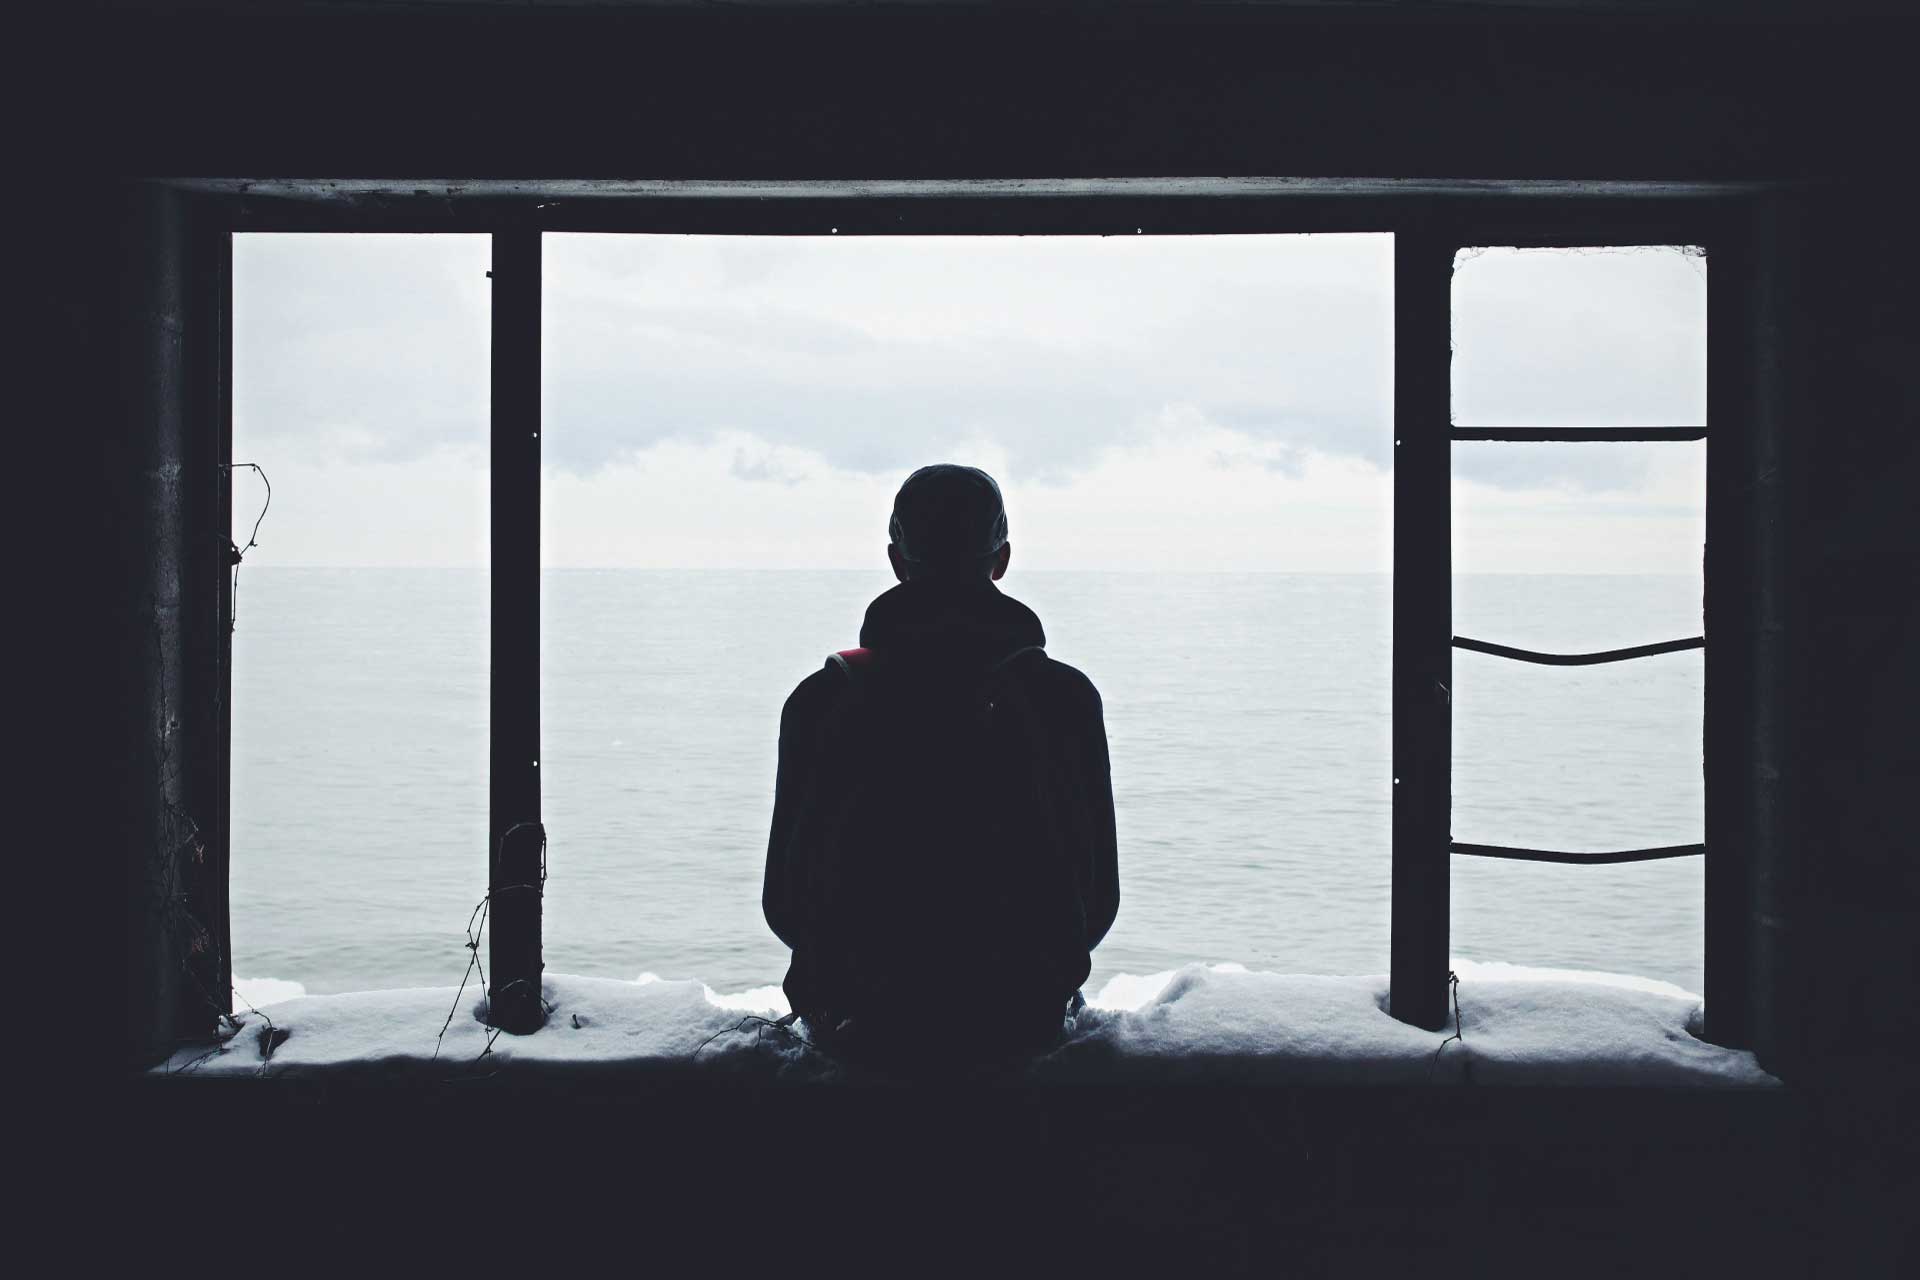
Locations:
column 880, row 876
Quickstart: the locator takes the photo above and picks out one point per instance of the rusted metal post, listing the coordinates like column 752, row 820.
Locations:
column 207, row 618
column 165, row 477
column 1422, row 624
column 516, row 847
column 1751, row 872
column 1727, row 568
column 150, row 447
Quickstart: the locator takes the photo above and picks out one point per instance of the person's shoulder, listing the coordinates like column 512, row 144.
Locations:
column 813, row 694
column 1070, row 684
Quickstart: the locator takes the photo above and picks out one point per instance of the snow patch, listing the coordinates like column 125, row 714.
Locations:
column 1519, row 1025
column 771, row 1000
column 1500, row 971
column 260, row 992
column 1127, row 991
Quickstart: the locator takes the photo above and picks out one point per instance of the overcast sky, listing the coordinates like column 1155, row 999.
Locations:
column 1220, row 402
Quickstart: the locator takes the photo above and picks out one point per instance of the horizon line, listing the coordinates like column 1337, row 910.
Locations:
column 1219, row 573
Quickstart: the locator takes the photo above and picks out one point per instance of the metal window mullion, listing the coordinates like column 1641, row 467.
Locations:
column 1579, row 659
column 210, row 335
column 1571, row 857
column 513, row 736
column 1422, row 625
column 1728, row 589
column 1579, row 435
column 1753, row 390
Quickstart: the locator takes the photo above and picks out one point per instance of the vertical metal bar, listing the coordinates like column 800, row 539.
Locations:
column 1730, row 584
column 1774, row 997
column 149, row 469
column 1422, row 623
column 1752, row 871
column 515, row 843
column 206, row 590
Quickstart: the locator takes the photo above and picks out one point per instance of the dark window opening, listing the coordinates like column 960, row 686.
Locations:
column 516, row 469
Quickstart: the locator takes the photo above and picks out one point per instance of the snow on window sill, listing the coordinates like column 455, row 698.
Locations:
column 1518, row 1026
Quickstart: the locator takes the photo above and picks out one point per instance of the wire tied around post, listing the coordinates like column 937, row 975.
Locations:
column 476, row 927
column 237, row 553
column 1453, row 982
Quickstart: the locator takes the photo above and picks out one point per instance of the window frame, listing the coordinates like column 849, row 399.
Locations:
column 1430, row 221
column 1424, row 640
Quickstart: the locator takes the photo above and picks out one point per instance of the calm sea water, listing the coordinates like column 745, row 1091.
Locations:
column 1248, row 719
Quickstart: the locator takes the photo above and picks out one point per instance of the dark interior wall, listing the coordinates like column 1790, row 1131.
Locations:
column 839, row 95
column 664, row 94
column 1836, row 901
column 1855, row 548
column 927, row 91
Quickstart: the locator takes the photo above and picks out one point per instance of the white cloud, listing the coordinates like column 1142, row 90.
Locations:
column 1558, row 338
column 1190, row 495
column 1206, row 402
column 1652, row 521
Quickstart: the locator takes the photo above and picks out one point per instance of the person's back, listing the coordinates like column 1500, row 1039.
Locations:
column 942, row 856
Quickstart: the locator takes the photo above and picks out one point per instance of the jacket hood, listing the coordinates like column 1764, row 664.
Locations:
column 967, row 624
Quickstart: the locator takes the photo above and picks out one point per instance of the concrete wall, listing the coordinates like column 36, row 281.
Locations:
column 1855, row 551
column 160, row 423
column 1074, row 90
column 825, row 96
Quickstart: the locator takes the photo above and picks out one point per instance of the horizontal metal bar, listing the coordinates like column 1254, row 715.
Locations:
column 1579, row 434
column 1605, row 200
column 1661, row 234
column 1558, row 855
column 1579, row 659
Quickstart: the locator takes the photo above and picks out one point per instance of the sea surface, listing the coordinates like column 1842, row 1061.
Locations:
column 1247, row 717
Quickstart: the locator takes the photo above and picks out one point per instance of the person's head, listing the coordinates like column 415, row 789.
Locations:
column 949, row 522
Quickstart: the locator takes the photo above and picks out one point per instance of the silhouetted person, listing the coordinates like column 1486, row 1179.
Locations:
column 942, row 857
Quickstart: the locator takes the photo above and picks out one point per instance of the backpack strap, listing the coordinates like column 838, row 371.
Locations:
column 849, row 662
column 1014, row 657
